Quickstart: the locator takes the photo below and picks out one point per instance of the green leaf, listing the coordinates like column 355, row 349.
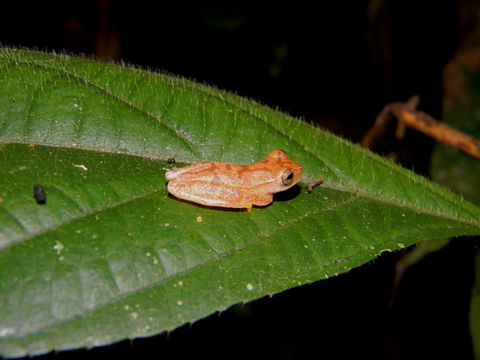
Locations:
column 111, row 256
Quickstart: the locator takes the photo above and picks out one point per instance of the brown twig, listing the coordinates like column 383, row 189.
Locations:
column 313, row 183
column 407, row 115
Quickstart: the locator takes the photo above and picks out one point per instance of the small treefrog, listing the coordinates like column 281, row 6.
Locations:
column 223, row 184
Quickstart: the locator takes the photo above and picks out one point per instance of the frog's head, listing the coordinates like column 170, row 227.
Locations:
column 285, row 171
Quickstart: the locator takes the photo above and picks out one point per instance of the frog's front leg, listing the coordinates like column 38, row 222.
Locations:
column 261, row 199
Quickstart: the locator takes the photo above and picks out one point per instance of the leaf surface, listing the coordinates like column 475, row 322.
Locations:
column 111, row 256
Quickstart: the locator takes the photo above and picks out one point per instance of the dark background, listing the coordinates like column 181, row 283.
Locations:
column 335, row 64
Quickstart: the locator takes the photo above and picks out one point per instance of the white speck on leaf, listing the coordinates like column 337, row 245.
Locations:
column 249, row 287
column 7, row 331
column 81, row 166
column 58, row 247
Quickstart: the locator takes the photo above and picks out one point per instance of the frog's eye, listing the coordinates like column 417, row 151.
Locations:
column 287, row 177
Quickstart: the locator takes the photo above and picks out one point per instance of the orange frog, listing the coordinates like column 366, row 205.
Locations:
column 222, row 184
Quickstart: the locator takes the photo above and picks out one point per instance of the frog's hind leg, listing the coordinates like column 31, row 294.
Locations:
column 202, row 192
